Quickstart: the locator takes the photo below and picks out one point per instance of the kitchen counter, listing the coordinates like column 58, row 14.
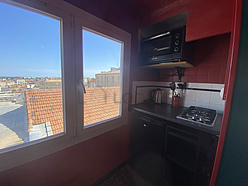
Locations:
column 169, row 113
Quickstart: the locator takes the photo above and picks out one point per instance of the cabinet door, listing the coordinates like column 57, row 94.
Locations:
column 209, row 18
column 146, row 148
column 182, row 151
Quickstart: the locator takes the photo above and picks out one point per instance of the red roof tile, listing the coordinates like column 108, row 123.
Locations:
column 45, row 105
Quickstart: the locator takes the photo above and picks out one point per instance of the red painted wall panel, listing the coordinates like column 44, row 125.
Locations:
column 210, row 60
column 205, row 18
column 208, row 18
column 81, row 164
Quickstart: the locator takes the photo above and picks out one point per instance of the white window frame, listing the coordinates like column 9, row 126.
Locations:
column 74, row 130
column 93, row 24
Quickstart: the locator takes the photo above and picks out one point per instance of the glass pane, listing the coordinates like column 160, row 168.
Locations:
column 30, row 76
column 102, row 62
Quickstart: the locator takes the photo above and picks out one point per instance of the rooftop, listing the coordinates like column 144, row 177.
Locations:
column 45, row 105
column 109, row 72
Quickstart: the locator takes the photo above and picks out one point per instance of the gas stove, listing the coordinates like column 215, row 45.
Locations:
column 202, row 116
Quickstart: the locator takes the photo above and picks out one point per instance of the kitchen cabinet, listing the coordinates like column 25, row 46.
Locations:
column 167, row 153
column 182, row 152
column 189, row 155
column 205, row 18
column 147, row 147
column 209, row 18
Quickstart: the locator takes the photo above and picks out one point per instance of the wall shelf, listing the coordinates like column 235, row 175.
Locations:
column 182, row 64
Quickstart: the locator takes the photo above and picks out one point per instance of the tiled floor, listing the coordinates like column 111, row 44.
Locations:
column 125, row 177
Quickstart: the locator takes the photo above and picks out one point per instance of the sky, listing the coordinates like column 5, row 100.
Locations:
column 30, row 46
column 99, row 53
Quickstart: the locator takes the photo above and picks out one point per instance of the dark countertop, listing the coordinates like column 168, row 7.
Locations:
column 169, row 113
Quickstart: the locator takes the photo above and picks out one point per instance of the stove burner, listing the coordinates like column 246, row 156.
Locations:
column 199, row 115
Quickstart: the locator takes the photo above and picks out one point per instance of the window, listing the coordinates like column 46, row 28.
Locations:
column 111, row 63
column 49, row 70
column 101, row 56
column 30, row 42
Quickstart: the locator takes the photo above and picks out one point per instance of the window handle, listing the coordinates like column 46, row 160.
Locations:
column 81, row 87
column 81, row 90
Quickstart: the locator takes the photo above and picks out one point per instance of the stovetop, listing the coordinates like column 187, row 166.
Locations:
column 203, row 116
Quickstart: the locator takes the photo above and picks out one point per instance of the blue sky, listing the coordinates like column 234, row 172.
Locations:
column 30, row 46
column 99, row 53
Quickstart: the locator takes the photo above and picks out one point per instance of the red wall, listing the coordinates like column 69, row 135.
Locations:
column 210, row 59
column 80, row 164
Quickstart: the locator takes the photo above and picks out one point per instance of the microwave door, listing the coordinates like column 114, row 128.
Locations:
column 163, row 48
column 157, row 47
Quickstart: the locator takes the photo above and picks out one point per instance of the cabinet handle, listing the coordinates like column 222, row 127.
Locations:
column 144, row 125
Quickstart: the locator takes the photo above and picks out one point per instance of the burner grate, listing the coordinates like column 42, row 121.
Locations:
column 199, row 115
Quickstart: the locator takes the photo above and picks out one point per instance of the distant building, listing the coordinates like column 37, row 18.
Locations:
column 5, row 89
column 20, row 81
column 49, row 84
column 89, row 82
column 2, row 83
column 31, row 85
column 92, row 83
column 10, row 82
column 108, row 79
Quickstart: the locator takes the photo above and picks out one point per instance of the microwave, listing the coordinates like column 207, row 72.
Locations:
column 167, row 47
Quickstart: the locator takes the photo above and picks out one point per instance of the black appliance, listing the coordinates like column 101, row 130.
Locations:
column 167, row 153
column 182, row 153
column 147, row 147
column 167, row 47
column 203, row 116
column 189, row 156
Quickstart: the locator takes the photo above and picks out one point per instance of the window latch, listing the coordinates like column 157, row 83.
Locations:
column 81, row 87
column 81, row 90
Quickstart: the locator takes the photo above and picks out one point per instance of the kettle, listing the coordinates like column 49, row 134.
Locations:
column 157, row 96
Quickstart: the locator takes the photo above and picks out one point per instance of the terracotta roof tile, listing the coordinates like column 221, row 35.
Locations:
column 45, row 105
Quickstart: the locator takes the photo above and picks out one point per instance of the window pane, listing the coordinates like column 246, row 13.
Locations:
column 102, row 70
column 30, row 76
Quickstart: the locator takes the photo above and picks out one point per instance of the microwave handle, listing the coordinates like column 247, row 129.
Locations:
column 157, row 36
column 160, row 49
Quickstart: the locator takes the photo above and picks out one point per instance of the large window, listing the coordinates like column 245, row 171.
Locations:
column 30, row 76
column 101, row 60
column 50, row 53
